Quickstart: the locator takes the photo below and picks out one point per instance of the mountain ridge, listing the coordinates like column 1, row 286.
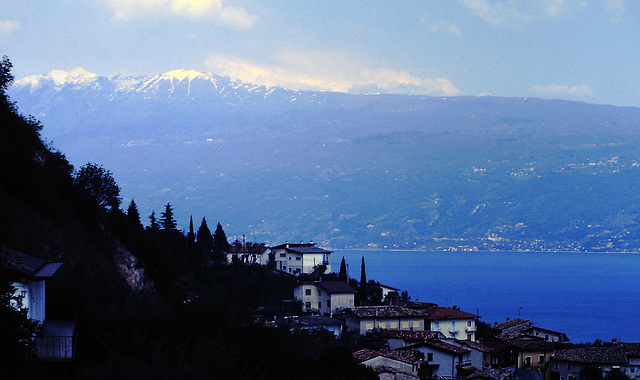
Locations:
column 359, row 171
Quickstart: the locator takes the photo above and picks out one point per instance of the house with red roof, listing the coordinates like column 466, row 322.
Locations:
column 453, row 323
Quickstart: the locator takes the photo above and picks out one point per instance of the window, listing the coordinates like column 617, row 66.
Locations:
column 393, row 325
column 289, row 258
column 382, row 325
column 469, row 336
column 307, row 305
column 571, row 377
column 329, row 304
column 453, row 325
column 436, row 326
column 319, row 304
column 469, row 323
column 527, row 361
column 319, row 292
column 368, row 326
column 404, row 324
column 298, row 258
column 416, row 323
column 568, row 365
column 283, row 255
column 541, row 359
column 555, row 365
column 307, row 292
column 430, row 356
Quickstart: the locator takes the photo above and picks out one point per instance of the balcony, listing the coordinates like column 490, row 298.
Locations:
column 471, row 329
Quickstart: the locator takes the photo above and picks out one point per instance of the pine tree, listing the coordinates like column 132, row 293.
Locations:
column 166, row 219
column 133, row 214
column 205, row 240
column 342, row 275
column 153, row 226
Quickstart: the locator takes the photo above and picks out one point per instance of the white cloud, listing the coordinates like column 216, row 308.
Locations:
column 499, row 13
column 204, row 10
column 8, row 26
column 441, row 27
column 326, row 71
column 616, row 8
column 510, row 13
column 562, row 90
column 559, row 8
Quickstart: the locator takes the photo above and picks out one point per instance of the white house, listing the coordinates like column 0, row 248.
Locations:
column 254, row 254
column 403, row 361
column 301, row 258
column 28, row 275
column 325, row 297
column 444, row 360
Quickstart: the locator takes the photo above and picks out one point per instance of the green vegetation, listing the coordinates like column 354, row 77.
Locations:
column 165, row 316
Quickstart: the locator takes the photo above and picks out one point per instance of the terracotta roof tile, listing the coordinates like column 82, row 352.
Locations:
column 384, row 311
column 447, row 313
column 592, row 355
column 412, row 335
column 406, row 356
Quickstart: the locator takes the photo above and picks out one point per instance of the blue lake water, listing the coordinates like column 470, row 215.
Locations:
column 587, row 296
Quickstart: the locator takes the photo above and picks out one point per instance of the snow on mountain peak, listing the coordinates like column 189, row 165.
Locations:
column 59, row 78
column 189, row 74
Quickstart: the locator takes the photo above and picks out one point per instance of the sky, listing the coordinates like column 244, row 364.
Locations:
column 584, row 50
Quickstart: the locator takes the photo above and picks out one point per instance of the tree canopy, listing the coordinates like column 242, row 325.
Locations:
column 98, row 183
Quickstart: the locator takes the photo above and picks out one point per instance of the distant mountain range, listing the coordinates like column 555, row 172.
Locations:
column 354, row 171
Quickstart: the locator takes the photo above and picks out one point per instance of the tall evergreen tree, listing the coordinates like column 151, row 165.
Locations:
column 220, row 245
column 191, row 235
column 205, row 240
column 133, row 214
column 167, row 222
column 342, row 275
column 362, row 292
column 153, row 222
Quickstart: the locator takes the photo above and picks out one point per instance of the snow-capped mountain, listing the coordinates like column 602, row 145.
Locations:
column 345, row 170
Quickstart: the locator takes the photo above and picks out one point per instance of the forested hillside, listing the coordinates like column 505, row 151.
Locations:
column 146, row 305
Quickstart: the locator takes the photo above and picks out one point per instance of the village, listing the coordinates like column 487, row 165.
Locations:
column 407, row 339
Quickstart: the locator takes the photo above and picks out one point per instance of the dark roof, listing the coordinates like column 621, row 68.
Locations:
column 407, row 356
column 447, row 313
column 35, row 268
column 243, row 249
column 317, row 320
column 302, row 248
column 592, row 355
column 415, row 305
column 512, row 323
column 333, row 287
column 443, row 346
column 631, row 349
column 384, row 311
column 412, row 335
column 476, row 345
column 537, row 345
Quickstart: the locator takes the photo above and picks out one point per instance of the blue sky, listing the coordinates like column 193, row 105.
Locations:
column 586, row 50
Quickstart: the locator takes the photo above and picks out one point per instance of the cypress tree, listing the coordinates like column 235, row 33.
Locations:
column 342, row 275
column 191, row 235
column 362, row 292
column 220, row 245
